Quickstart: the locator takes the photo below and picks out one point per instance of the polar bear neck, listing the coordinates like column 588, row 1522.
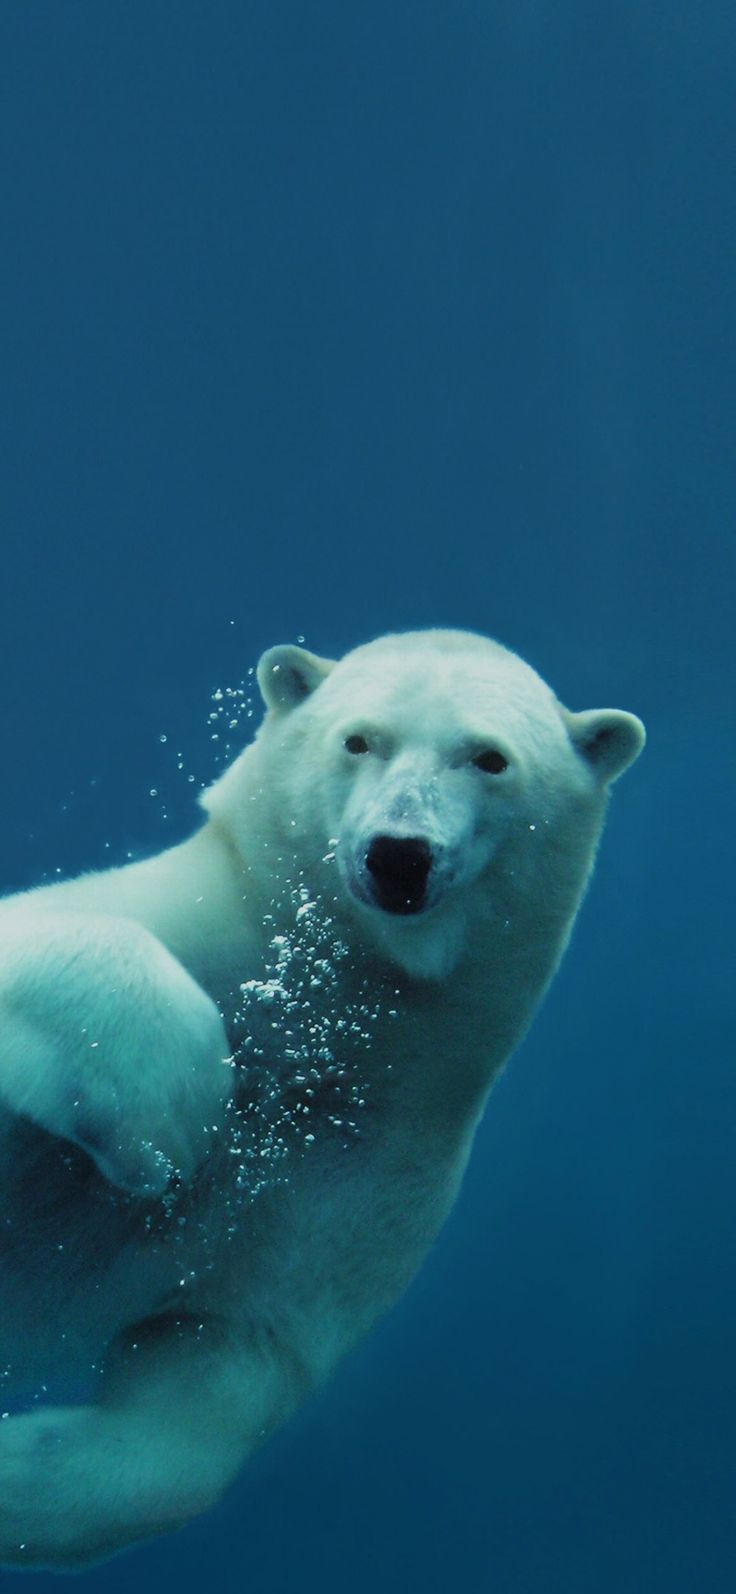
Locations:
column 450, row 1033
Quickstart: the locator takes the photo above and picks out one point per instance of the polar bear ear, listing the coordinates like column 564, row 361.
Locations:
column 607, row 738
column 287, row 675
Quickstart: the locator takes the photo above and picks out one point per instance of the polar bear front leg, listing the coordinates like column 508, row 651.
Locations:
column 181, row 1407
column 105, row 1040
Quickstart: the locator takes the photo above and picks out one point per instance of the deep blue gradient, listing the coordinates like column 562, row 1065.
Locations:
column 329, row 318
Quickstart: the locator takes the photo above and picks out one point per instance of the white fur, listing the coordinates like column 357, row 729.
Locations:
column 237, row 1096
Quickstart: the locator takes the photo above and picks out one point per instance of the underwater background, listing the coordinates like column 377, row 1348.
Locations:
column 320, row 320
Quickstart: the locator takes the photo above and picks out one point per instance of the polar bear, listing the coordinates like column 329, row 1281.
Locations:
column 239, row 1081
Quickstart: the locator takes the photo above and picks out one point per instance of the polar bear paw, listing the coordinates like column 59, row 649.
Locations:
column 105, row 1040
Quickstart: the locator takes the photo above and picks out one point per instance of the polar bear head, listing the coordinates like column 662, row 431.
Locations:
column 428, row 785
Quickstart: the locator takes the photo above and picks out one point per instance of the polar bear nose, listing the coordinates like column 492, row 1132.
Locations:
column 399, row 868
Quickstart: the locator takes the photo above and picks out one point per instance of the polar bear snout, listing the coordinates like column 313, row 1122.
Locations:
column 398, row 869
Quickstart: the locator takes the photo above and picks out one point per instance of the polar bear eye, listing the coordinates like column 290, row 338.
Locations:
column 491, row 762
column 356, row 744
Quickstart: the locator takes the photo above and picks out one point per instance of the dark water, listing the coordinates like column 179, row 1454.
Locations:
column 328, row 319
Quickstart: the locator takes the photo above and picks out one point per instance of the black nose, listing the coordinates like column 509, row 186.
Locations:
column 399, row 870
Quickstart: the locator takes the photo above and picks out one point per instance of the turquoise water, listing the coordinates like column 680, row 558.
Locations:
column 326, row 320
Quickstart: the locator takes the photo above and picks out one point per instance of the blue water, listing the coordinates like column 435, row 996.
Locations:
column 333, row 318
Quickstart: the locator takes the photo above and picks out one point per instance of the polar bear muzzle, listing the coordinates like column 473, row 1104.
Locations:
column 399, row 868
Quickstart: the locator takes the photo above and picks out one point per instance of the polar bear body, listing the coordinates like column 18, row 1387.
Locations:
column 239, row 1081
